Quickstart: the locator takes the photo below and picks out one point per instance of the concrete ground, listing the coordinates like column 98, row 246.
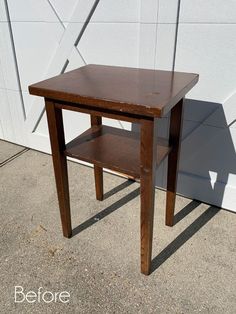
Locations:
column 194, row 268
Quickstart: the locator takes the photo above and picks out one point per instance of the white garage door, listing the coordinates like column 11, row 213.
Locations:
column 40, row 39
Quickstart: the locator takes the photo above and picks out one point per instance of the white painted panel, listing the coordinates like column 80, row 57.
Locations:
column 80, row 122
column 43, row 126
column 168, row 11
column 15, row 106
column 208, row 155
column 117, row 11
column 149, row 11
column 75, row 60
column 35, row 46
column 225, row 115
column 64, row 9
column 46, row 31
column 1, row 131
column 204, row 49
column 207, row 166
column 165, row 46
column 39, row 142
column 82, row 10
column 199, row 110
column 196, row 187
column 31, row 10
column 11, row 107
column 108, row 11
column 3, row 16
column 2, row 82
column 147, row 45
column 116, row 44
column 31, row 102
column 210, row 11
column 6, row 118
column 7, row 60
column 188, row 128
column 229, row 198
column 12, row 117
column 209, row 149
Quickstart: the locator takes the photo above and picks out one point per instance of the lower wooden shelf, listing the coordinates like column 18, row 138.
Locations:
column 112, row 148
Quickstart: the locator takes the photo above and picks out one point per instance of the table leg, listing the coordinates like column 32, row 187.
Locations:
column 98, row 172
column 147, row 180
column 56, row 132
column 173, row 160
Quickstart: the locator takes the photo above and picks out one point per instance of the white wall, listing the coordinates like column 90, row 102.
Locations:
column 188, row 35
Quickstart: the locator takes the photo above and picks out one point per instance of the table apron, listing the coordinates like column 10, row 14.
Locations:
column 102, row 112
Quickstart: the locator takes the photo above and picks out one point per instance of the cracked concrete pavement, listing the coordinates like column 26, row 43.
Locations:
column 194, row 268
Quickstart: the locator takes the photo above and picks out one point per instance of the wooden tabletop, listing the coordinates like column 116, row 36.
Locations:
column 130, row 90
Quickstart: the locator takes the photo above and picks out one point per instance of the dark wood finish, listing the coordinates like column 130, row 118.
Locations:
column 134, row 95
column 113, row 148
column 100, row 112
column 56, row 132
column 173, row 160
column 130, row 90
column 98, row 172
column 147, row 181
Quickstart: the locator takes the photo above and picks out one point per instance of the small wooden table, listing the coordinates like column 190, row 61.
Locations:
column 129, row 94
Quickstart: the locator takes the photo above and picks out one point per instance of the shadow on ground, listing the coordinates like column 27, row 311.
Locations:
column 172, row 247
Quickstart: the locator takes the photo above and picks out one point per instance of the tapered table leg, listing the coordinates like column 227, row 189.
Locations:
column 98, row 172
column 173, row 160
column 56, row 132
column 147, row 180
